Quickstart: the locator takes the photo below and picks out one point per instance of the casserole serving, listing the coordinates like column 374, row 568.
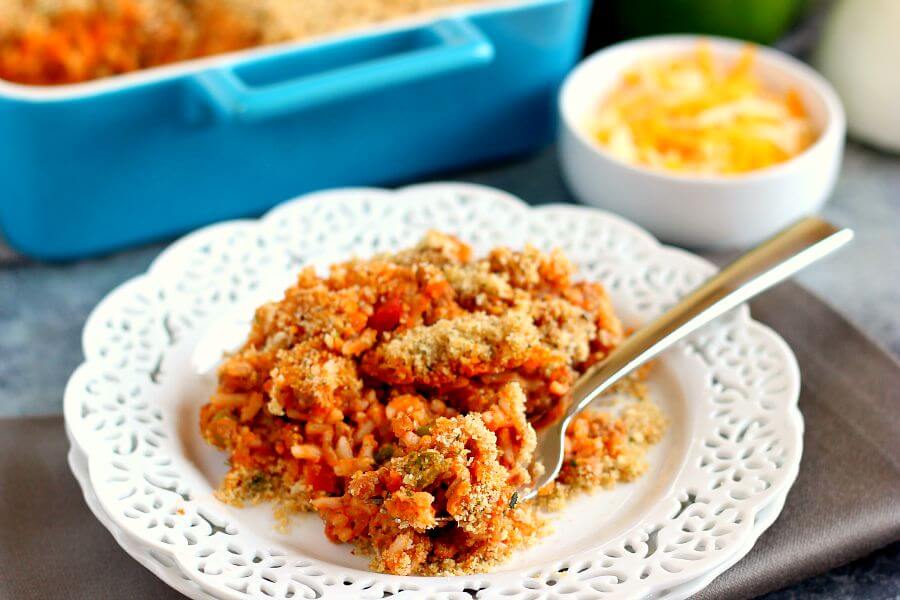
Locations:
column 95, row 166
column 400, row 398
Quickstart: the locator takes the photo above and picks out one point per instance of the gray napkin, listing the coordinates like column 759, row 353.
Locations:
column 846, row 501
column 845, row 504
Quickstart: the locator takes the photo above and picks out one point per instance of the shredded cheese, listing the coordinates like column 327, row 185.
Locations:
column 690, row 115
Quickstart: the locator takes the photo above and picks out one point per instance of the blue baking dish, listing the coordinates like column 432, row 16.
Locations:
column 91, row 167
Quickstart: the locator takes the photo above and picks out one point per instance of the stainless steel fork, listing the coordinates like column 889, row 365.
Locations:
column 773, row 261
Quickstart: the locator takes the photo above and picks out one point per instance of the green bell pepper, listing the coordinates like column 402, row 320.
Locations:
column 761, row 21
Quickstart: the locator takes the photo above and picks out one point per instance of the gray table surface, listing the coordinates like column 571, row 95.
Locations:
column 43, row 308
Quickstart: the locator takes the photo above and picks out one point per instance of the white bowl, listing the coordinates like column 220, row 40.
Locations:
column 700, row 210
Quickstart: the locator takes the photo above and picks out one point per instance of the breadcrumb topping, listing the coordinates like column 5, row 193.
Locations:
column 470, row 345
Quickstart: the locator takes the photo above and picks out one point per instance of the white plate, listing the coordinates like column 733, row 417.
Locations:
column 160, row 566
column 170, row 574
column 730, row 392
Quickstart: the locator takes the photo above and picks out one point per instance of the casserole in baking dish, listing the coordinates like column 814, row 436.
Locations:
column 51, row 42
column 90, row 167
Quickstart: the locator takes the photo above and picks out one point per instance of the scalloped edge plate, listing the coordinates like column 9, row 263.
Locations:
column 375, row 220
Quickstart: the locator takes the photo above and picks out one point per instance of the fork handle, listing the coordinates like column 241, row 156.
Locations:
column 773, row 261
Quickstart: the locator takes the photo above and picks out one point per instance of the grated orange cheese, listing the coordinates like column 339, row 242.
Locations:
column 690, row 115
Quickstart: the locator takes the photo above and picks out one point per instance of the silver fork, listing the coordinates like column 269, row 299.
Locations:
column 773, row 261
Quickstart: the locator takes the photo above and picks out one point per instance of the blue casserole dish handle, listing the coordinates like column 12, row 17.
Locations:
column 438, row 48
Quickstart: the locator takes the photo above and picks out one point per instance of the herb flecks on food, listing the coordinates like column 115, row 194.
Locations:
column 423, row 430
column 384, row 453
column 420, row 469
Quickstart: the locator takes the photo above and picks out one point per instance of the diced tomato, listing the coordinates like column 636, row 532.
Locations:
column 392, row 480
column 611, row 443
column 321, row 478
column 387, row 316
